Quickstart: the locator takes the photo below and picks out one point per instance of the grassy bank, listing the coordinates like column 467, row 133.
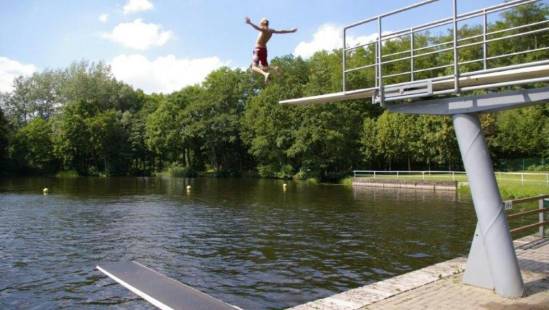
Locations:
column 510, row 186
column 513, row 190
column 348, row 181
column 67, row 174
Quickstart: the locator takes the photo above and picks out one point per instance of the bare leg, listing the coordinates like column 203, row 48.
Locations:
column 263, row 71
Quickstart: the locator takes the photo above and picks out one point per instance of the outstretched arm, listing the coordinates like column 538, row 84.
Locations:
column 249, row 22
column 285, row 31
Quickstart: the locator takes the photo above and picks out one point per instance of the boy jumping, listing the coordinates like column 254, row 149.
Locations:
column 259, row 62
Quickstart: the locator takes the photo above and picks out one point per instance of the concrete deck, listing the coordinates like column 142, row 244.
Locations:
column 439, row 286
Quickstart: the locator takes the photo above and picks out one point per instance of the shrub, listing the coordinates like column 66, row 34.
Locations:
column 182, row 171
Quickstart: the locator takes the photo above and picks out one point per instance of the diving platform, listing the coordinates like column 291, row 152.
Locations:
column 162, row 292
column 453, row 72
column 457, row 73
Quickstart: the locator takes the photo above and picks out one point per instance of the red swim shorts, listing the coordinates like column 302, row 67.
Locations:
column 260, row 56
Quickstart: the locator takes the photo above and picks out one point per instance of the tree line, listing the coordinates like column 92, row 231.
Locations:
column 82, row 119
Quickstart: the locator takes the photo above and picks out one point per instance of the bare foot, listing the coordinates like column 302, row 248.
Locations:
column 267, row 75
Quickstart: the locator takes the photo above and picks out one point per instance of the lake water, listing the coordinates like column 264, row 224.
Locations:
column 244, row 241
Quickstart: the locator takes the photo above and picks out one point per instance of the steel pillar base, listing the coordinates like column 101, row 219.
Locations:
column 476, row 271
column 492, row 260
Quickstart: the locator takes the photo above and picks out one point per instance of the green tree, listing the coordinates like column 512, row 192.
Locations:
column 435, row 142
column 32, row 147
column 191, row 143
column 214, row 119
column 72, row 138
column 267, row 131
column 327, row 139
column 4, row 138
column 396, row 134
column 109, row 140
column 324, row 74
column 520, row 132
column 37, row 96
column 140, row 156
column 267, row 128
column 163, row 132
column 368, row 139
column 91, row 134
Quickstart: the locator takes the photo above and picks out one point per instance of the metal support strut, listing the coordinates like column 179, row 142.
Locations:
column 492, row 261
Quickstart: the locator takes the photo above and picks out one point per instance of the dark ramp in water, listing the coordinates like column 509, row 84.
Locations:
column 159, row 290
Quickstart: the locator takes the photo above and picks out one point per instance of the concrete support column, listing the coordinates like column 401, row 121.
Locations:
column 494, row 230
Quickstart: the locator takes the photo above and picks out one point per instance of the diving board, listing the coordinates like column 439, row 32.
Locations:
column 162, row 292
column 333, row 97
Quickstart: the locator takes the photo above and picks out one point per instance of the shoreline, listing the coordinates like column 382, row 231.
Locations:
column 405, row 290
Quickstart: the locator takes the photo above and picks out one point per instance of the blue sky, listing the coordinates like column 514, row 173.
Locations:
column 163, row 45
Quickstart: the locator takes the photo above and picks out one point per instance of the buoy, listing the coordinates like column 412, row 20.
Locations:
column 45, row 191
column 284, row 186
column 188, row 187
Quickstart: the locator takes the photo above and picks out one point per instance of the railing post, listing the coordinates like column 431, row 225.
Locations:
column 412, row 54
column 344, row 59
column 541, row 218
column 522, row 178
column 456, row 60
column 423, row 175
column 397, row 174
column 375, row 65
column 453, row 176
column 374, row 174
column 379, row 64
column 484, row 37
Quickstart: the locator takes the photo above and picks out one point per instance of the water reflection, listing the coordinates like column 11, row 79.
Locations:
column 367, row 193
column 245, row 241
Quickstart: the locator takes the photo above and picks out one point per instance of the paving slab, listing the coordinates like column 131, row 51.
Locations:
column 440, row 286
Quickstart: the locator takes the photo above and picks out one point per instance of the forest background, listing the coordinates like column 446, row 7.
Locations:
column 81, row 121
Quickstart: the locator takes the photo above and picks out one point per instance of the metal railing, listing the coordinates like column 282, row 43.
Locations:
column 423, row 174
column 519, row 177
column 542, row 201
column 412, row 54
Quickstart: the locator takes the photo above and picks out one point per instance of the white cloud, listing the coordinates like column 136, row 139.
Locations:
column 10, row 69
column 103, row 18
column 139, row 35
column 134, row 6
column 329, row 37
column 163, row 74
